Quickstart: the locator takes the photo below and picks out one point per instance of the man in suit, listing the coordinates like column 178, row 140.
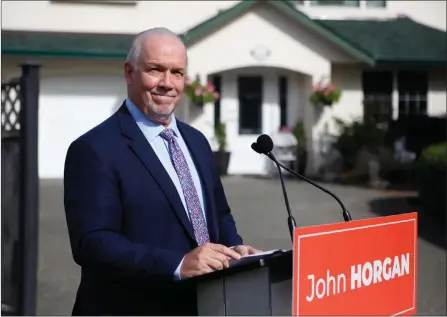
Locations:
column 145, row 207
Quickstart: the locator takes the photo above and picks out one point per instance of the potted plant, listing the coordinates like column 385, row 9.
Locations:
column 199, row 94
column 221, row 156
column 325, row 94
column 300, row 135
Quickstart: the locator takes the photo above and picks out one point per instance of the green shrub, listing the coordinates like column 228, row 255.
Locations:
column 221, row 136
column 356, row 136
column 300, row 134
column 432, row 173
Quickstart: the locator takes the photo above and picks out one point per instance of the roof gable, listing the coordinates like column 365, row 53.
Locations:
column 284, row 7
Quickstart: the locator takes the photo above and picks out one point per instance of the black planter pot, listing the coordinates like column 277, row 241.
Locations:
column 302, row 160
column 222, row 160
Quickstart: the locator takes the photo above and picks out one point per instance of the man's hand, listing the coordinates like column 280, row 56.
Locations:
column 244, row 250
column 207, row 258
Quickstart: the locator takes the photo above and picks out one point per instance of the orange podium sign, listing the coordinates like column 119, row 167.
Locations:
column 361, row 267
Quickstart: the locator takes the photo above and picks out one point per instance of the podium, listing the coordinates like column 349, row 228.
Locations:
column 252, row 286
column 335, row 269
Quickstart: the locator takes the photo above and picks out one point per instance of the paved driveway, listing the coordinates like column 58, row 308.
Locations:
column 261, row 216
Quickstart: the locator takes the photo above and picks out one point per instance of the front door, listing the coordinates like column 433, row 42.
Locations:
column 250, row 104
column 249, row 94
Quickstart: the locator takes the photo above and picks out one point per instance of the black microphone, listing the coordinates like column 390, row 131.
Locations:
column 264, row 145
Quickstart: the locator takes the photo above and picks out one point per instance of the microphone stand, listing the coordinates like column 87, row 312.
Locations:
column 290, row 220
column 346, row 214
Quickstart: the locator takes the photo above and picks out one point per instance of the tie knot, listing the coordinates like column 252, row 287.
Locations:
column 167, row 134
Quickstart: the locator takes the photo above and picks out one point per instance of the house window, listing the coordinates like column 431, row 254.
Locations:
column 377, row 95
column 217, row 82
column 375, row 3
column 338, row 3
column 413, row 91
column 282, row 88
column 250, row 104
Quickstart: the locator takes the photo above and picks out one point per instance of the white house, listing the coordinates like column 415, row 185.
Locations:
column 263, row 56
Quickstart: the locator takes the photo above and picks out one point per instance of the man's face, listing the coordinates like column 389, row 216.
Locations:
column 157, row 83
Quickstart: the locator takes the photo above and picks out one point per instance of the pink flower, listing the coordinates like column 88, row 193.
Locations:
column 331, row 88
column 210, row 86
column 285, row 129
column 216, row 95
column 198, row 91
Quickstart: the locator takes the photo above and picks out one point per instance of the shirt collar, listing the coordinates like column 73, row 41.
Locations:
column 150, row 128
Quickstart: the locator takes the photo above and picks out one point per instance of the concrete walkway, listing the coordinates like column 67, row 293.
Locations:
column 259, row 209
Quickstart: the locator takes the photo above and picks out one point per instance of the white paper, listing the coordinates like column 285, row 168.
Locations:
column 264, row 253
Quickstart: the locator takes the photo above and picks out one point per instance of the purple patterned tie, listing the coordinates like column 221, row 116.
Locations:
column 189, row 190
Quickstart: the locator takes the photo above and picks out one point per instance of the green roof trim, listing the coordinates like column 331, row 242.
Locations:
column 57, row 44
column 399, row 41
column 212, row 24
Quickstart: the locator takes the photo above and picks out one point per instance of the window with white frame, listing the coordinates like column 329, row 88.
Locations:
column 339, row 3
column 412, row 87
column 342, row 3
column 375, row 3
column 377, row 95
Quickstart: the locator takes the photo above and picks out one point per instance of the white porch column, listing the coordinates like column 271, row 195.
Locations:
column 202, row 118
column 295, row 107
column 182, row 112
column 395, row 98
column 308, row 118
column 270, row 104
column 208, row 111
column 315, row 121
column 229, row 106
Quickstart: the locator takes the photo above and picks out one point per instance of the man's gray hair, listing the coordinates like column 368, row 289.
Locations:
column 137, row 43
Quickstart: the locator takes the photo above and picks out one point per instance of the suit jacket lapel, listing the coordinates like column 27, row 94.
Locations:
column 146, row 154
column 200, row 162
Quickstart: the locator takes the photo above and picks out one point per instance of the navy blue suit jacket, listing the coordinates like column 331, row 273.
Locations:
column 128, row 228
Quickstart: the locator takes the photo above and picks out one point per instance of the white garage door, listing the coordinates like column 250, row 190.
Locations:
column 69, row 107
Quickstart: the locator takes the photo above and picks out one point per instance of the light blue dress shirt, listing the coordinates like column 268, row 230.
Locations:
column 151, row 131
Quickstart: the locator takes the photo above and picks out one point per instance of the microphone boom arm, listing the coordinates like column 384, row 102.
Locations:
column 346, row 214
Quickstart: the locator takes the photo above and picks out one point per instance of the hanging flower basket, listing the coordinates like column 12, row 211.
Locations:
column 199, row 94
column 325, row 94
